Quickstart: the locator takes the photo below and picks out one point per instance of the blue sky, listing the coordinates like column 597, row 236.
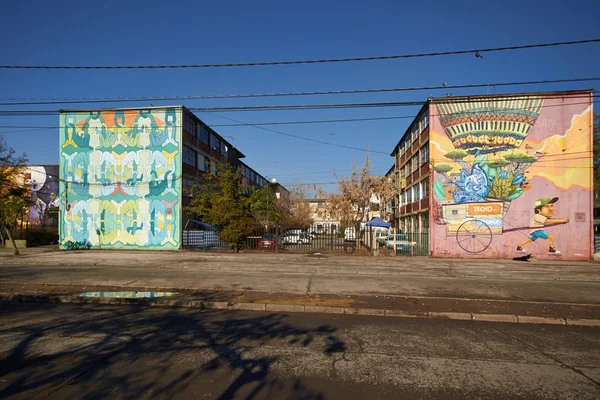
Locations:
column 155, row 32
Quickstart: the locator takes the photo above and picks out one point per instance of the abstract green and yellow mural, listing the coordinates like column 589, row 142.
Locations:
column 120, row 178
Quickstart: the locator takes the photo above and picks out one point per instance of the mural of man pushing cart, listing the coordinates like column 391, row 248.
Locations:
column 544, row 210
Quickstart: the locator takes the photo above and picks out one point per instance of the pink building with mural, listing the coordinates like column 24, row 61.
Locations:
column 501, row 176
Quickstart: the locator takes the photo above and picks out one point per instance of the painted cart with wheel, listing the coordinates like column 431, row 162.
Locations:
column 474, row 224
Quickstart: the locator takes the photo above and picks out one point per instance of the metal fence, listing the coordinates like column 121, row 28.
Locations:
column 285, row 239
column 202, row 240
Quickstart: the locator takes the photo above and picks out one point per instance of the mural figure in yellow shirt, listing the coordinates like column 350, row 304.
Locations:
column 544, row 210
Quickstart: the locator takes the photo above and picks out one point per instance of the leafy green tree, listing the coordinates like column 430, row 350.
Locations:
column 263, row 205
column 222, row 200
column 14, row 197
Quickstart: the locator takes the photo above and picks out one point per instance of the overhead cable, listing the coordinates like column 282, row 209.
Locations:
column 304, row 138
column 84, row 100
column 475, row 51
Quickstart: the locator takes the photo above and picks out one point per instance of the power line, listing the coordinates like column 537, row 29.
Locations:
column 313, row 61
column 465, row 99
column 25, row 130
column 83, row 100
column 256, row 123
column 305, row 138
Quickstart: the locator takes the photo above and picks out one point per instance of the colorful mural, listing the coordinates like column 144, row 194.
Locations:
column 500, row 166
column 42, row 181
column 120, row 184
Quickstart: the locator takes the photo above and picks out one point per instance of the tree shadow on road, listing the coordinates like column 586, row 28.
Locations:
column 126, row 351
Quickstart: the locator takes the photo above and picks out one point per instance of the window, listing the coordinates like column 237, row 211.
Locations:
column 187, row 182
column 424, row 120
column 224, row 149
column 425, row 189
column 189, row 125
column 189, row 156
column 424, row 153
column 203, row 134
column 215, row 143
column 213, row 167
column 202, row 162
column 415, row 162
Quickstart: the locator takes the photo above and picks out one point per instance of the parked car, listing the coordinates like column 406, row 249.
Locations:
column 402, row 242
column 381, row 237
column 349, row 234
column 296, row 238
column 267, row 242
column 301, row 232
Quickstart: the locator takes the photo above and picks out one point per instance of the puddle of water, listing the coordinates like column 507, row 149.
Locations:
column 129, row 295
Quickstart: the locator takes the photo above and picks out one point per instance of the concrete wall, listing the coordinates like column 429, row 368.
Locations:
column 120, row 176
column 495, row 160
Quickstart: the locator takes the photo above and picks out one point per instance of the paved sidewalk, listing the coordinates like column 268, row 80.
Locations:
column 574, row 282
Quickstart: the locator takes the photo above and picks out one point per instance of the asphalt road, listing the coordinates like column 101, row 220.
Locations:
column 64, row 351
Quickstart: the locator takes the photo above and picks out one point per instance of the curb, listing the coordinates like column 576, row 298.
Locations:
column 159, row 302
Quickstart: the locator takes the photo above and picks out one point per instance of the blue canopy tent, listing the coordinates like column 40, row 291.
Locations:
column 378, row 223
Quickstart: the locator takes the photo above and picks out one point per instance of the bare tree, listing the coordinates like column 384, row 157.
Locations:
column 354, row 197
column 297, row 212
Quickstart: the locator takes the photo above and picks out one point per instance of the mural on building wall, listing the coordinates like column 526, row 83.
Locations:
column 500, row 167
column 120, row 184
column 42, row 181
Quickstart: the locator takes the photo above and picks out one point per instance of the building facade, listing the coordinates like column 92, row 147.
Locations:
column 500, row 176
column 323, row 221
column 122, row 174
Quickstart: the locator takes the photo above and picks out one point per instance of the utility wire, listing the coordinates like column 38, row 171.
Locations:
column 83, row 100
column 313, row 61
column 461, row 99
column 256, row 123
column 302, row 137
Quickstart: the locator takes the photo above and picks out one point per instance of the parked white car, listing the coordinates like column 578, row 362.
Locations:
column 350, row 234
column 402, row 242
column 381, row 237
column 296, row 238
